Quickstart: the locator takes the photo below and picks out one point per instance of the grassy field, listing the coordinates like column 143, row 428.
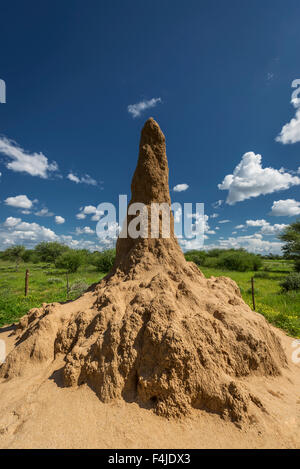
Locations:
column 48, row 284
column 281, row 309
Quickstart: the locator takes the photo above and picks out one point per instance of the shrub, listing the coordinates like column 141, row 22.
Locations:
column 297, row 265
column 196, row 256
column 291, row 282
column 215, row 252
column 53, row 280
column 103, row 261
column 79, row 287
column 211, row 262
column 14, row 253
column 262, row 275
column 70, row 261
column 239, row 260
column 50, row 251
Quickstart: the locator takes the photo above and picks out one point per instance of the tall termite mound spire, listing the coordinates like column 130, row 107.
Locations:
column 150, row 182
column 150, row 185
column 154, row 331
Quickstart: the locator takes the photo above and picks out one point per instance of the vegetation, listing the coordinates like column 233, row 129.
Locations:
column 291, row 282
column 16, row 254
column 103, row 261
column 291, row 249
column 47, row 284
column 281, row 308
column 49, row 252
column 69, row 260
column 277, row 292
column 230, row 259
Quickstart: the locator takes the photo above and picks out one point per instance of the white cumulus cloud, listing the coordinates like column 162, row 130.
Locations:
column 15, row 231
column 44, row 212
column 290, row 132
column 266, row 227
column 12, row 221
column 89, row 210
column 253, row 243
column 256, row 222
column 136, row 109
column 84, row 230
column 35, row 164
column 59, row 220
column 285, row 208
column 180, row 187
column 80, row 216
column 19, row 201
column 86, row 179
column 250, row 179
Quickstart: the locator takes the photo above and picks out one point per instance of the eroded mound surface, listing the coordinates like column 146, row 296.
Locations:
column 155, row 330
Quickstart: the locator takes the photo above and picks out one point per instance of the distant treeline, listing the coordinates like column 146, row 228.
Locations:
column 61, row 256
column 230, row 259
column 71, row 259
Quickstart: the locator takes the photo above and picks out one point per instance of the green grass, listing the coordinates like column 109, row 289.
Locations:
column 48, row 284
column 281, row 309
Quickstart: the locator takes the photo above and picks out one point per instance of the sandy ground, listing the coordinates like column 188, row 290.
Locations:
column 41, row 414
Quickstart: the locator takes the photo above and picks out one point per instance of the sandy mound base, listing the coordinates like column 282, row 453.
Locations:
column 169, row 340
column 40, row 414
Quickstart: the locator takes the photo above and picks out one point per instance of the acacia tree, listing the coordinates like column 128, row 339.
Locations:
column 291, row 248
column 50, row 251
column 70, row 261
column 15, row 253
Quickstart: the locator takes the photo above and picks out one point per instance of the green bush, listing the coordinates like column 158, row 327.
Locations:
column 103, row 261
column 211, row 262
column 215, row 252
column 79, row 287
column 70, row 261
column 239, row 260
column 50, row 251
column 15, row 253
column 262, row 275
column 196, row 256
column 291, row 282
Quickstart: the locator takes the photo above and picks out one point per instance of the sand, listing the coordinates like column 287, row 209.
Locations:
column 155, row 355
column 41, row 414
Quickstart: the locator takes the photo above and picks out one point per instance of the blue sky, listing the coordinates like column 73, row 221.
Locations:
column 218, row 76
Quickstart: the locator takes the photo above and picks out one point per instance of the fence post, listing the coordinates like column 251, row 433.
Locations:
column 253, row 295
column 26, row 281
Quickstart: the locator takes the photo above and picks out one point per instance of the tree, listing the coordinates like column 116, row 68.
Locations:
column 198, row 257
column 15, row 253
column 50, row 251
column 70, row 261
column 291, row 248
column 239, row 260
column 103, row 261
